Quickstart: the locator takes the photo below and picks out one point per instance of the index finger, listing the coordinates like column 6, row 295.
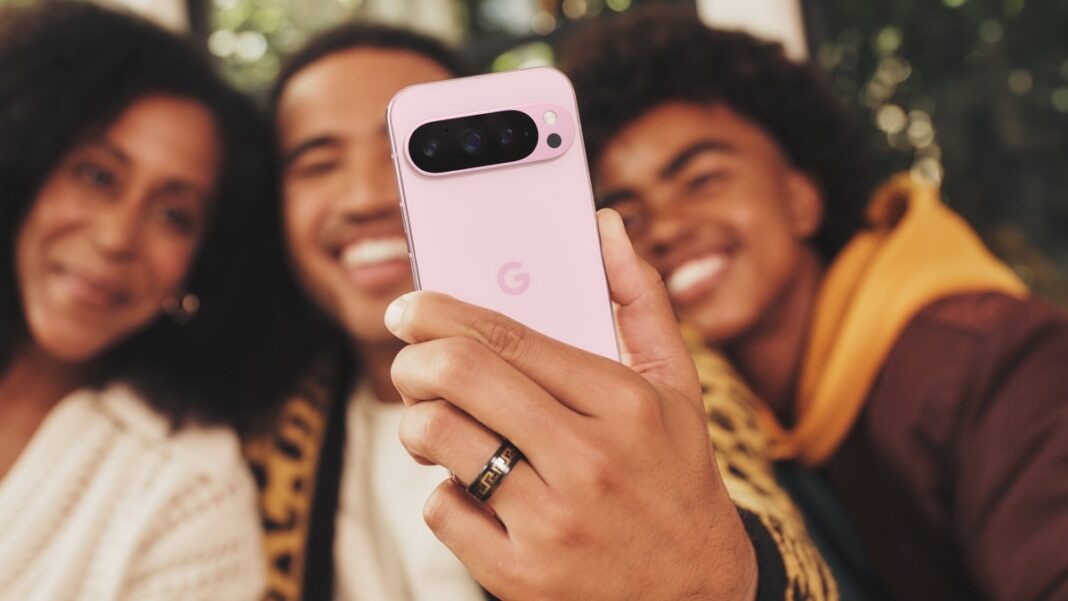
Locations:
column 573, row 376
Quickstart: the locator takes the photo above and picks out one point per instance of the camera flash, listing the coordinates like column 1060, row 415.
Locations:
column 550, row 117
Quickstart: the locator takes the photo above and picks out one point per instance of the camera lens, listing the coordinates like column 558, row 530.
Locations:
column 507, row 136
column 472, row 140
column 430, row 148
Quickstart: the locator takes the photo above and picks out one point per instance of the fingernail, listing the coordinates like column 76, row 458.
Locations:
column 615, row 222
column 395, row 313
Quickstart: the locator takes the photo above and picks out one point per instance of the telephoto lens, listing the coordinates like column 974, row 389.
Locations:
column 472, row 140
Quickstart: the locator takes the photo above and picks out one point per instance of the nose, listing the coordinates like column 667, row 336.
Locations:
column 116, row 228
column 667, row 228
column 370, row 189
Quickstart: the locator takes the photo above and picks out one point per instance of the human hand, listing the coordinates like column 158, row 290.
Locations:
column 619, row 496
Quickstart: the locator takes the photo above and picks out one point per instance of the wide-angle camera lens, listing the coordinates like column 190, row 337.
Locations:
column 430, row 148
column 472, row 140
column 507, row 136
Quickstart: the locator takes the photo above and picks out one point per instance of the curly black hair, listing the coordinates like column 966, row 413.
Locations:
column 623, row 67
column 350, row 36
column 68, row 69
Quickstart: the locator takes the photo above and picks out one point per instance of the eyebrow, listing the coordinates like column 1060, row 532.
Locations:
column 176, row 186
column 671, row 168
column 170, row 187
column 306, row 146
column 615, row 197
column 107, row 146
column 680, row 160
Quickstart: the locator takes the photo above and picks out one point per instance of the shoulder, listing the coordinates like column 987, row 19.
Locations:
column 979, row 340
column 963, row 356
column 194, row 449
column 202, row 533
column 975, row 336
column 974, row 340
column 989, row 315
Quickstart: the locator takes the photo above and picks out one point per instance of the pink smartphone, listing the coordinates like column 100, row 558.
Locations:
column 497, row 201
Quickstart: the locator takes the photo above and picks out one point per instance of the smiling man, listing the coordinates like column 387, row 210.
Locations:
column 905, row 373
column 634, row 482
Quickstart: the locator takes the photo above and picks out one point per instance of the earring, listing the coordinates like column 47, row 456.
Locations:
column 181, row 308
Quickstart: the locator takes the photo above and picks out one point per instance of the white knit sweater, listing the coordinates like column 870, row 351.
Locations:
column 105, row 503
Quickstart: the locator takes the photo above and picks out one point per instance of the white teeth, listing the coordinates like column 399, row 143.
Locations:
column 694, row 272
column 370, row 252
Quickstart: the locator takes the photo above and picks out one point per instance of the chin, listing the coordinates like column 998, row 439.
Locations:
column 716, row 326
column 719, row 334
column 366, row 326
column 373, row 337
column 68, row 350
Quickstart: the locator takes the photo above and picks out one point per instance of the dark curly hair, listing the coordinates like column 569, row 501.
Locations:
column 350, row 36
column 68, row 69
column 625, row 66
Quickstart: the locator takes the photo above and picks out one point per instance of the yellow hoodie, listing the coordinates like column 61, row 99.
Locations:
column 915, row 252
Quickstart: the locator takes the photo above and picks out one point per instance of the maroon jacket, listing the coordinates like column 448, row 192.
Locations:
column 956, row 473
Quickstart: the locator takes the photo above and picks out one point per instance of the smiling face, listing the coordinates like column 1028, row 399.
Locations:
column 342, row 210
column 711, row 201
column 115, row 226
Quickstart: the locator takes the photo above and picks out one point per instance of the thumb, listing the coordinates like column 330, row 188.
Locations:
column 649, row 336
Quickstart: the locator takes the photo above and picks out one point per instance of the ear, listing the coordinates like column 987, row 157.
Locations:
column 805, row 204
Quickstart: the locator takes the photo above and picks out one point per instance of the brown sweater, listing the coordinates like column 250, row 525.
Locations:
column 956, row 473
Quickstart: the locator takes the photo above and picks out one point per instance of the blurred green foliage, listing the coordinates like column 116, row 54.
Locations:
column 974, row 92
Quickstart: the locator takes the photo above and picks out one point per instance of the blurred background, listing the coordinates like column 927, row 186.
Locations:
column 968, row 94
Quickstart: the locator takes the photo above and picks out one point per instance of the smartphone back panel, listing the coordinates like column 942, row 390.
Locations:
column 519, row 238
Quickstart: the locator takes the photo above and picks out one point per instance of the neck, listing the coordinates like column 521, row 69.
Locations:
column 769, row 356
column 36, row 379
column 377, row 359
column 31, row 385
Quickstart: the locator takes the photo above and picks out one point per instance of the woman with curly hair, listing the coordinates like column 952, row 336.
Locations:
column 139, row 280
